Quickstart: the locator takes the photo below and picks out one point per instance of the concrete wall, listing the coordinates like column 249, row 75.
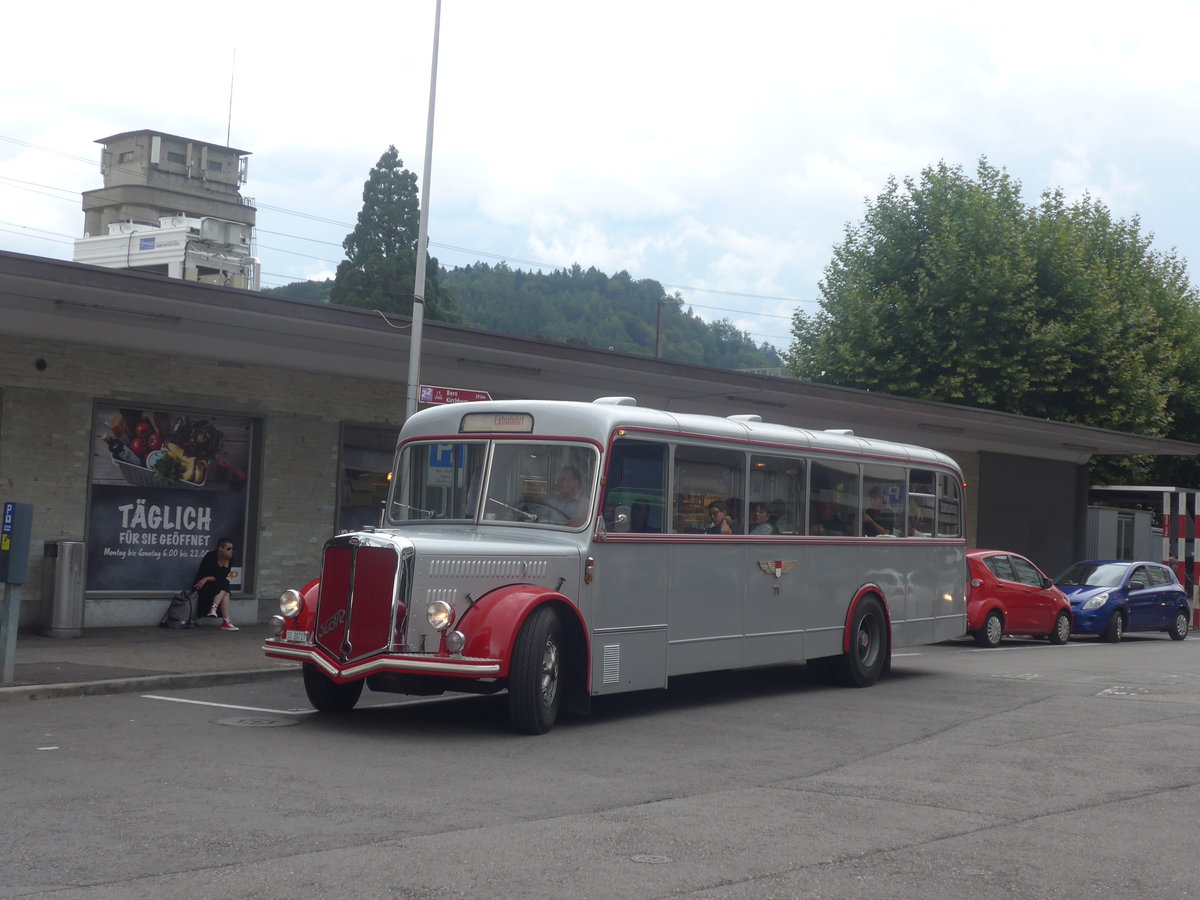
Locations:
column 45, row 448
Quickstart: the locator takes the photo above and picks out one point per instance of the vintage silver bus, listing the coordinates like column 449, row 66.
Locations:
column 562, row 550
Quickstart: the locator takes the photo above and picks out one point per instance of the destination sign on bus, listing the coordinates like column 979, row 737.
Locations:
column 493, row 422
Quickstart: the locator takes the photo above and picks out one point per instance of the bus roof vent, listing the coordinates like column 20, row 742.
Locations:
column 847, row 432
column 744, row 418
column 616, row 401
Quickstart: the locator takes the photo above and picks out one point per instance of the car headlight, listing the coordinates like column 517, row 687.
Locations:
column 440, row 615
column 1096, row 602
column 291, row 603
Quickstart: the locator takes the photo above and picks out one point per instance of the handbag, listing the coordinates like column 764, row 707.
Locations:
column 179, row 612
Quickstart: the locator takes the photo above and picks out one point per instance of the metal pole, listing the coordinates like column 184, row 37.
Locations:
column 418, row 310
column 10, row 616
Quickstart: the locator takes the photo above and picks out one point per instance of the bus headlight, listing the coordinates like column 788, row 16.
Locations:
column 440, row 615
column 291, row 603
column 455, row 641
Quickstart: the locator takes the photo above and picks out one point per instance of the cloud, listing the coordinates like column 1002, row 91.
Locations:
column 719, row 149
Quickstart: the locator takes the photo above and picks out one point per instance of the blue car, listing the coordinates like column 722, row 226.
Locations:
column 1111, row 597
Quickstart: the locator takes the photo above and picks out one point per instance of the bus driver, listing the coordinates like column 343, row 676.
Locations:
column 568, row 497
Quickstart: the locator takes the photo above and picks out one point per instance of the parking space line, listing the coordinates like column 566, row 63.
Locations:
column 307, row 712
column 1003, row 647
column 281, row 712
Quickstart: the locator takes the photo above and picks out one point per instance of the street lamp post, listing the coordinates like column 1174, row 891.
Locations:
column 418, row 310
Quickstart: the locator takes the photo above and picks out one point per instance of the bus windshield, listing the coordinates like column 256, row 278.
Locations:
column 504, row 482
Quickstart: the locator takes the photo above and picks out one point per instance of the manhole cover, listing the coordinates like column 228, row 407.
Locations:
column 651, row 859
column 258, row 722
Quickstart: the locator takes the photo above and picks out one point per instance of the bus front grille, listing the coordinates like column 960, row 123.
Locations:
column 359, row 608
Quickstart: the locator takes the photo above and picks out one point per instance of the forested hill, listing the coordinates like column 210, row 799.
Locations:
column 586, row 307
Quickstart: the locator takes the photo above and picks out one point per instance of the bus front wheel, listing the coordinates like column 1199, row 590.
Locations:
column 533, row 676
column 327, row 695
column 866, row 659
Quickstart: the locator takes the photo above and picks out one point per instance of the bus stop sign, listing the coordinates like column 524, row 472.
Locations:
column 433, row 394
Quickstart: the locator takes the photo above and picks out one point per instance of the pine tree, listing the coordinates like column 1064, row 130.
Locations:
column 379, row 271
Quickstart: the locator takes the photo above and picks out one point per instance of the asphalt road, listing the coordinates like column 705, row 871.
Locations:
column 1025, row 771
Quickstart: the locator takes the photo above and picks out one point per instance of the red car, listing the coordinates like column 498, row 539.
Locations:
column 1007, row 594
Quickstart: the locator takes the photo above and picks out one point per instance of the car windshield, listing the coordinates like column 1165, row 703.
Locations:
column 1093, row 575
column 501, row 482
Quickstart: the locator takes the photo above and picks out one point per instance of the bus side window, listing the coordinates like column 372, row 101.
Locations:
column 922, row 508
column 833, row 498
column 779, row 483
column 949, row 521
column 634, row 492
column 704, row 475
column 883, row 501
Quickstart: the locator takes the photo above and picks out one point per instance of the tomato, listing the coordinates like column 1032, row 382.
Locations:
column 138, row 446
column 154, row 441
column 142, row 429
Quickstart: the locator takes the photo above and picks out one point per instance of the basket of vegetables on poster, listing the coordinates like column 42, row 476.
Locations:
column 156, row 449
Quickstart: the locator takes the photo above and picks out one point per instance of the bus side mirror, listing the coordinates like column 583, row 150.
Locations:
column 621, row 519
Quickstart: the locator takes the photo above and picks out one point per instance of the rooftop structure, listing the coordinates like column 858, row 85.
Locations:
column 171, row 206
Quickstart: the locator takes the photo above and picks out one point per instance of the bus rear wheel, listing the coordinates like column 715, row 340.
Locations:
column 327, row 695
column 866, row 659
column 533, row 675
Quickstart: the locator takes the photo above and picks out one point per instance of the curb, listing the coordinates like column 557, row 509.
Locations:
column 139, row 683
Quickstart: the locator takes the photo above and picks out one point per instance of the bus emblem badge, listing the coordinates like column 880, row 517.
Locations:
column 778, row 568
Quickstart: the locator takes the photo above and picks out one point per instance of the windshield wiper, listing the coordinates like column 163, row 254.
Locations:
column 527, row 516
column 426, row 513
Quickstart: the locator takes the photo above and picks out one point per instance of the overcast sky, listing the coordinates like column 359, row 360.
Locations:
column 720, row 149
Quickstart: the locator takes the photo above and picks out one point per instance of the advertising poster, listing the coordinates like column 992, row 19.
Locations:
column 165, row 485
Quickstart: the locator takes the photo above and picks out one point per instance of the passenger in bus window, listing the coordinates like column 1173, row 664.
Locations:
column 825, row 519
column 760, row 519
column 639, row 518
column 720, row 522
column 876, row 520
column 779, row 519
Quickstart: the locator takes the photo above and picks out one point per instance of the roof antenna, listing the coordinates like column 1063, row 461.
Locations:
column 229, row 123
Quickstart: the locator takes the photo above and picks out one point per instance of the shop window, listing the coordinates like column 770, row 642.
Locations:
column 365, row 470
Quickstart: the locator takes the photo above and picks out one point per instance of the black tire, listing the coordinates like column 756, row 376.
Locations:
column 327, row 695
column 533, row 675
column 1179, row 628
column 862, row 665
column 1062, row 629
column 1115, row 629
column 991, row 631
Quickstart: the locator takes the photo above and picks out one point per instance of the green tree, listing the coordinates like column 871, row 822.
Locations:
column 380, row 268
column 585, row 306
column 952, row 289
column 304, row 290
